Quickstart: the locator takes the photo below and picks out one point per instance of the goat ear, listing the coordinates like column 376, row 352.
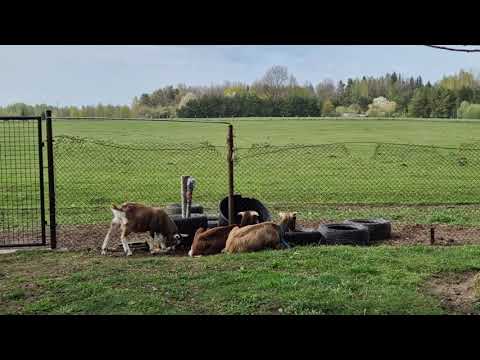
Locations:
column 241, row 213
column 281, row 214
column 294, row 213
column 254, row 213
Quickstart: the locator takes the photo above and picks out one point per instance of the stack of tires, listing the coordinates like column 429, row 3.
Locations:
column 356, row 232
column 350, row 232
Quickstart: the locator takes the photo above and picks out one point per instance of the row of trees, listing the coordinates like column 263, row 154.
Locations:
column 245, row 105
column 278, row 93
column 68, row 111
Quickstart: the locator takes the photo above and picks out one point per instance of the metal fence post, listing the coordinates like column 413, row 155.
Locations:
column 51, row 181
column 41, row 178
column 231, row 208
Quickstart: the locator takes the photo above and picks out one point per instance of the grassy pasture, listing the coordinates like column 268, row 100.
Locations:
column 306, row 280
column 344, row 175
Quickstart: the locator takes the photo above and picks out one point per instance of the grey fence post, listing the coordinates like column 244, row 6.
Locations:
column 51, row 181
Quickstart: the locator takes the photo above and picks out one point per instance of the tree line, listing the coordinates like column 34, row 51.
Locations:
column 278, row 93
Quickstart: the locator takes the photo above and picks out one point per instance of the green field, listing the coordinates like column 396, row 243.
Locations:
column 343, row 169
column 306, row 280
column 323, row 168
column 281, row 131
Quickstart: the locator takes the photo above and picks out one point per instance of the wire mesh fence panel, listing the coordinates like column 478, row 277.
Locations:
column 100, row 161
column 414, row 186
column 411, row 185
column 21, row 192
column 93, row 174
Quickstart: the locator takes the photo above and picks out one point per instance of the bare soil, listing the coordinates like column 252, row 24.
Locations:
column 416, row 234
column 90, row 237
column 459, row 293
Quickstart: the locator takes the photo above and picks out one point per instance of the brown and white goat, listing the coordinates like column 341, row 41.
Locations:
column 212, row 241
column 260, row 236
column 139, row 218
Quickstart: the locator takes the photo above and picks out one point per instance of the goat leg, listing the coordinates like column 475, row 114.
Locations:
column 123, row 238
column 107, row 238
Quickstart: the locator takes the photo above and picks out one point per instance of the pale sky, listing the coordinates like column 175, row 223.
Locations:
column 88, row 75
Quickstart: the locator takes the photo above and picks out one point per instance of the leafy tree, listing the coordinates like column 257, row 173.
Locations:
column 354, row 109
column 328, row 108
column 188, row 97
column 381, row 107
column 443, row 103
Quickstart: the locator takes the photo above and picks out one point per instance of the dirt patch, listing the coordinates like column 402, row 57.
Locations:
column 458, row 293
column 90, row 237
column 419, row 234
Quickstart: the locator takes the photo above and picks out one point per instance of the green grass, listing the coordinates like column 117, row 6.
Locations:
column 349, row 177
column 306, row 280
column 346, row 162
column 280, row 131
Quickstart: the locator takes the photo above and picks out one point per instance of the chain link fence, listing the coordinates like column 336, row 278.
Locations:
column 414, row 186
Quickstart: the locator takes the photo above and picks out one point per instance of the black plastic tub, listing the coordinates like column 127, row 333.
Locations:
column 242, row 204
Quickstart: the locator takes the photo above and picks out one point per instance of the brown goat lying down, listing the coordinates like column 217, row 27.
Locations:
column 138, row 218
column 260, row 236
column 212, row 241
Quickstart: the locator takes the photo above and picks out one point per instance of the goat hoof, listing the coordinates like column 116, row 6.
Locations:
column 104, row 252
column 129, row 253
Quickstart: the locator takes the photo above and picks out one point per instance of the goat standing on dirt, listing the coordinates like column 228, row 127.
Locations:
column 138, row 218
column 260, row 236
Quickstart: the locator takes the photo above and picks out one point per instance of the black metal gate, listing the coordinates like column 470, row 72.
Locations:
column 22, row 181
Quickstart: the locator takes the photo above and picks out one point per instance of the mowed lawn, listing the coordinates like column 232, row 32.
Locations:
column 307, row 280
column 278, row 131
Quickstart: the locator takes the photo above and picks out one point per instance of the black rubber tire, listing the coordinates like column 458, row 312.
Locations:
column 189, row 225
column 379, row 229
column 301, row 238
column 344, row 234
column 212, row 224
column 175, row 209
column 212, row 217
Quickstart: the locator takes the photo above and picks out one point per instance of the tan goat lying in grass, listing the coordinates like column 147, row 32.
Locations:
column 212, row 241
column 260, row 236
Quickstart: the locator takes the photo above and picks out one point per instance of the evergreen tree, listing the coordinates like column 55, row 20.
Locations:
column 420, row 105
